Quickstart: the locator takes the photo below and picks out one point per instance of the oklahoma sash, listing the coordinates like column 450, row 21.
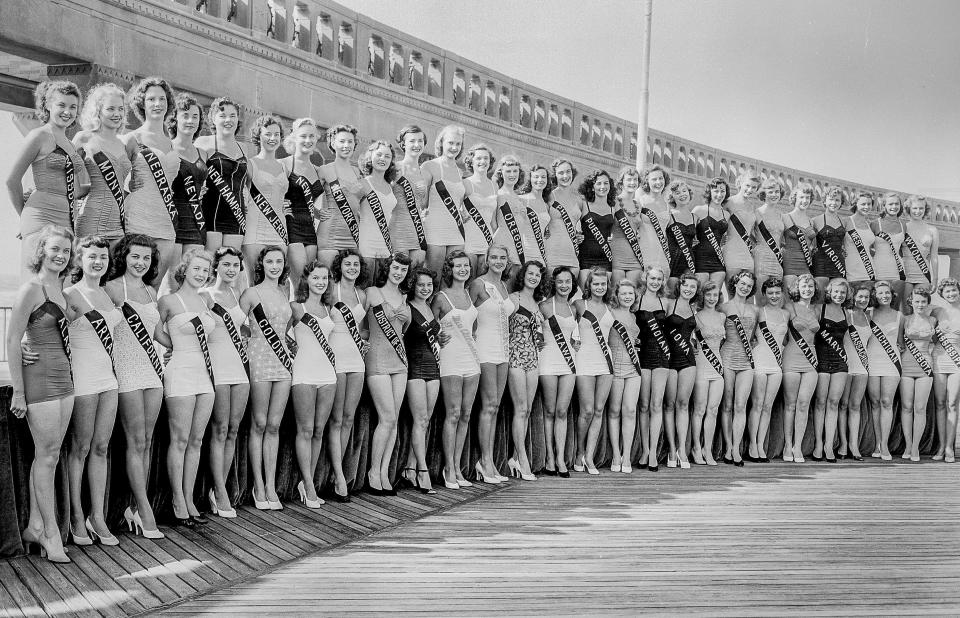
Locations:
column 450, row 205
column 508, row 219
column 156, row 170
column 267, row 210
column 111, row 180
column 411, row 202
column 595, row 323
column 235, row 339
column 886, row 345
column 917, row 256
column 561, row 342
column 477, row 218
column 376, row 207
column 621, row 218
column 228, row 196
column 862, row 251
column 744, row 340
column 202, row 338
column 771, row 243
column 340, row 198
column 144, row 338
column 311, row 322
column 627, row 343
column 389, row 331
column 273, row 339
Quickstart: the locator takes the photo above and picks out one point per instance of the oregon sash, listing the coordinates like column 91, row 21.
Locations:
column 881, row 337
column 311, row 322
column 896, row 253
column 411, row 201
column 340, row 198
column 70, row 184
column 273, row 339
column 862, row 251
column 655, row 222
column 918, row 355
column 627, row 343
column 351, row 323
column 803, row 345
column 599, row 237
column 269, row 213
column 858, row 346
column 681, row 241
column 511, row 223
column 771, row 243
column 567, row 222
column 595, row 323
column 160, row 177
column 621, row 218
column 917, row 256
column 376, row 207
column 144, row 338
column 561, row 342
column 477, row 218
column 772, row 342
column 99, row 325
column 391, row 333
column 431, row 329
column 534, row 220
column 708, row 352
column 450, row 205
column 744, row 340
column 228, row 196
column 235, row 339
column 202, row 338
column 111, row 180
column 947, row 345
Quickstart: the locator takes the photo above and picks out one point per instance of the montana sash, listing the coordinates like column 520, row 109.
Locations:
column 204, row 347
column 561, row 342
column 389, row 331
column 621, row 218
column 627, row 343
column 947, row 345
column 477, row 217
column 601, row 340
column 273, row 339
column 111, row 180
column 311, row 322
column 431, row 328
column 376, row 207
column 567, row 222
column 599, row 237
column 70, row 184
column 160, row 177
column 681, row 241
column 537, row 230
column 708, row 353
column 99, row 325
column 267, row 210
column 862, row 252
column 228, row 196
column 411, row 202
column 854, row 335
column 655, row 222
column 193, row 196
column 771, row 242
column 772, row 342
column 508, row 219
column 917, row 256
column 340, row 198
column 351, row 322
column 803, row 345
column 891, row 353
column 918, row 356
column 744, row 340
column 144, row 338
column 234, row 333
column 450, row 205
column 895, row 251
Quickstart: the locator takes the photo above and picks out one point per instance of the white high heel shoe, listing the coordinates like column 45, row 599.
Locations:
column 310, row 504
column 224, row 513
column 135, row 525
column 108, row 540
column 484, row 478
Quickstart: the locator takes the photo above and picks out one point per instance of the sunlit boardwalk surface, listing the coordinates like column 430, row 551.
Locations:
column 811, row 539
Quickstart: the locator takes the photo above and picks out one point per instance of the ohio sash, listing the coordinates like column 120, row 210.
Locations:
column 311, row 322
column 450, row 205
column 376, row 207
column 111, row 180
column 204, row 347
column 708, row 352
column 621, row 218
column 895, row 251
column 771, row 242
column 411, row 202
column 431, row 329
column 862, row 252
column 477, row 218
column 854, row 335
column 771, row 341
column 655, row 222
column 803, row 345
column 595, row 323
column 599, row 237
column 918, row 355
column 340, row 198
column 744, row 340
column 228, row 196
column 561, row 342
column 567, row 221
column 917, row 256
column 144, row 338
column 714, row 243
column 389, row 331
column 267, row 210
column 947, row 345
column 627, row 343
column 886, row 345
column 273, row 339
column 99, row 325
column 234, row 333
column 160, row 177
column 508, row 219
column 681, row 241
column 534, row 220
column 193, row 196
column 351, row 323
column 741, row 231
column 70, row 184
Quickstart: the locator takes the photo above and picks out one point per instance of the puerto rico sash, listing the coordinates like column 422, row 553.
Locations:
column 534, row 220
column 391, row 333
column 862, row 251
column 896, row 254
column 627, row 343
column 477, row 218
column 881, row 337
column 595, row 323
column 431, row 329
column 803, row 345
column 99, row 325
column 228, row 196
column 655, row 222
column 70, row 184
column 235, row 339
column 858, row 346
column 450, row 205
column 561, row 342
column 311, row 322
column 351, row 323
column 599, row 237
column 143, row 337
column 567, row 222
column 947, row 345
column 340, row 198
column 273, row 339
column 917, row 256
column 269, row 213
column 376, row 207
column 511, row 223
column 202, row 338
column 918, row 355
column 744, row 340
column 682, row 244
column 111, row 180
column 771, row 341
column 411, row 201
column 771, row 243
column 156, row 170
column 621, row 217
column 708, row 353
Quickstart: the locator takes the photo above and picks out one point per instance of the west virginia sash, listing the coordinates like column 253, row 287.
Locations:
column 744, row 340
column 862, row 251
column 947, row 345
column 111, row 180
column 391, row 333
column 311, row 322
column 411, row 202
column 771, row 243
column 561, row 342
column 895, row 251
column 477, row 218
column 655, row 222
column 273, row 339
column 621, row 218
column 450, row 205
column 917, row 256
column 156, row 170
column 234, row 333
column 918, row 355
column 376, row 207
column 351, row 323
column 595, row 323
column 881, row 337
column 771, row 341
column 340, row 198
column 803, row 345
column 858, row 346
column 202, row 338
column 511, row 223
column 227, row 195
column 708, row 352
column 144, row 338
column 567, row 222
column 269, row 213
column 627, row 343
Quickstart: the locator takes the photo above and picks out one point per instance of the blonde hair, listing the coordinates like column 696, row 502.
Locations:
column 438, row 143
column 636, row 295
column 296, row 126
column 90, row 116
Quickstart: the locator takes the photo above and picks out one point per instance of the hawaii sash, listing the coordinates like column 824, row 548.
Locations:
column 708, row 352
column 896, row 253
column 269, row 213
column 567, row 222
column 99, row 325
column 655, row 222
column 561, row 342
column 803, row 345
column 534, row 220
column 477, row 218
column 681, row 241
column 950, row 349
column 204, row 347
column 881, row 337
column 621, row 218
column 595, row 323
column 351, row 323
column 627, row 343
column 862, row 251
column 235, row 339
column 340, row 198
column 273, row 339
column 858, row 346
column 917, row 256
column 391, row 333
column 411, row 201
column 431, row 329
column 599, row 237
column 450, row 205
column 160, row 177
column 111, row 180
column 376, row 207
column 918, row 355
column 771, row 341
column 744, row 340
column 511, row 223
column 771, row 243
column 144, row 338
column 311, row 322
column 228, row 196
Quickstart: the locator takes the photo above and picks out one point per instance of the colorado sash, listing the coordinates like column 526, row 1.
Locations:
column 159, row 177
column 508, row 219
column 202, row 339
column 340, row 198
column 411, row 202
column 561, row 342
column 234, row 333
column 389, row 331
column 311, row 322
column 917, row 256
column 627, row 343
column 803, row 345
column 744, row 340
column 376, row 207
column 273, row 339
column 881, row 337
column 595, row 323
column 477, row 218
column 111, row 180
column 228, row 196
column 450, row 205
column 862, row 252
column 267, row 210
column 621, row 218
column 144, row 338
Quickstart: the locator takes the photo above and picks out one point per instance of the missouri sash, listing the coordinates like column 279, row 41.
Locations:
column 70, row 184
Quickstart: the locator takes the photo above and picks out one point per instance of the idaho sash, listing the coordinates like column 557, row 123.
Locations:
column 70, row 184
column 858, row 346
column 450, row 205
column 534, row 220
column 411, row 201
column 511, row 223
column 595, row 323
column 621, row 217
column 918, row 355
column 896, row 253
column 273, row 339
column 190, row 188
column 627, row 343
column 599, row 237
column 156, row 170
column 431, row 329
column 862, row 251
column 228, row 196
column 708, row 352
column 771, row 341
column 99, row 325
column 917, row 256
column 561, row 342
column 881, row 337
column 351, row 323
column 771, row 243
column 202, row 338
column 311, row 322
column 340, row 198
column 567, row 222
column 376, row 207
column 144, row 338
column 111, row 180
column 477, row 218
column 235, row 339
column 655, row 222
column 391, row 333
column 269, row 213
column 744, row 340
column 948, row 346
column 714, row 243
column 681, row 241
column 803, row 345
column 741, row 231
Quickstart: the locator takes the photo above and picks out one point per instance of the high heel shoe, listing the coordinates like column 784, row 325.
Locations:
column 421, row 488
column 77, row 539
column 591, row 468
column 615, row 465
column 671, row 463
column 483, row 478
column 684, row 465
column 109, row 540
column 260, row 505
column 548, row 472
column 564, row 474
column 135, row 525
column 625, row 467
column 310, row 504
column 450, row 484
column 224, row 513
column 52, row 549
column 579, row 465
column 517, row 472
column 464, row 483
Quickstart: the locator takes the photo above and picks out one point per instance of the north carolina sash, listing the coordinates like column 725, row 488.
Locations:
column 595, row 323
column 351, row 323
column 477, row 218
column 621, row 218
column 561, row 342
column 340, row 198
column 917, row 256
column 862, row 251
column 858, row 346
column 836, row 259
column 144, row 338
column 431, row 329
column 160, row 177
column 228, row 196
column 771, row 341
column 599, row 237
column 391, row 333
column 654, row 327
column 655, row 222
column 411, row 201
column 918, row 355
column 273, row 339
column 202, row 338
column 311, row 322
column 511, row 223
column 111, row 180
column 193, row 196
column 681, row 241
column 881, row 337
column 376, row 207
column 895, row 251
column 708, row 352
column 803, row 345
column 744, row 340
column 714, row 243
column 534, row 220
column 741, row 231
column 70, row 184
column 947, row 345
column 269, row 213
column 627, row 343
column 567, row 221
column 234, row 333
column 99, row 325
column 450, row 205
column 771, row 243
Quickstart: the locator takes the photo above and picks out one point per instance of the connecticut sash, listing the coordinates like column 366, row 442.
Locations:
column 340, row 198
column 450, row 205
column 537, row 230
column 376, row 207
column 99, row 325
column 273, row 339
column 111, row 180
column 947, row 345
column 351, row 323
column 918, row 356
column 917, row 256
column 808, row 353
column 144, row 338
column 561, row 343
column 389, row 331
column 156, row 170
column 267, row 210
column 895, row 251
column 595, row 323
column 477, row 217
column 621, row 218
column 508, row 219
column 862, row 252
column 411, row 202
column 655, row 222
column 311, row 322
column 228, row 196
column 708, row 352
column 772, row 342
column 204, row 347
column 771, row 243
column 567, row 222
column 234, row 333
column 891, row 353
column 744, row 340
column 854, row 335
column 627, row 343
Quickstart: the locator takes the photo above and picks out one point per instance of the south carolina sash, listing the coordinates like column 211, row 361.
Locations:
column 708, row 352
column 376, row 207
column 228, row 196
column 411, row 201
column 144, row 338
column 771, row 243
column 156, row 170
column 862, row 251
column 595, row 323
column 477, row 218
column 202, row 338
column 70, row 184
column 234, row 333
column 273, row 339
column 741, row 231
column 771, row 341
column 267, row 210
column 561, row 342
column 854, row 335
column 895, row 251
column 681, row 241
column 450, row 205
column 351, row 323
column 511, row 223
column 311, row 322
column 432, row 330
column 391, row 333
column 111, row 180
column 714, row 242
column 744, row 340
column 918, row 355
column 803, row 345
column 340, row 198
column 567, row 222
column 190, row 188
column 621, row 218
column 534, row 220
column 599, row 237
column 917, row 256
column 881, row 337
column 627, row 343
column 655, row 222
column 99, row 325
column 947, row 345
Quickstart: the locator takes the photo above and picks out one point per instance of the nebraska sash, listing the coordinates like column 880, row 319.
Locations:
column 450, row 205
column 621, row 218
column 708, row 352
column 895, row 251
column 918, row 356
column 202, row 338
column 311, row 322
column 156, row 170
column 273, row 339
column 389, row 331
column 269, row 213
column 431, row 329
column 99, row 325
column 599, row 237
column 655, row 222
column 411, row 201
column 235, row 339
column 376, row 207
column 227, row 195
column 70, row 184
column 917, row 256
column 881, row 337
column 340, row 198
column 862, row 251
column 351, row 323
column 771, row 243
column 803, row 345
column 948, row 346
column 110, row 178
column 561, row 342
column 744, row 340
column 627, row 343
column 771, row 341
column 144, row 338
column 595, row 323
column 567, row 222
column 681, row 241
column 854, row 335
column 534, row 220
column 508, row 219
column 477, row 218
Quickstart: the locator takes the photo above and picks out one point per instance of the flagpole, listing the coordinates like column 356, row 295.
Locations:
column 644, row 106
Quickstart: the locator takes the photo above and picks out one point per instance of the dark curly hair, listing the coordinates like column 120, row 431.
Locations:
column 303, row 286
column 528, row 185
column 509, row 159
column 366, row 161
column 408, row 129
column 182, row 103
column 138, row 94
column 414, row 277
column 341, row 128
column 862, row 194
column 218, row 104
column 446, row 275
column 711, row 184
column 76, row 274
column 383, row 271
column 559, row 270
column 557, row 163
column 258, row 271
column 772, row 282
column 223, row 252
column 873, row 294
column 260, row 124
column 41, row 96
column 734, row 280
column 586, row 188
column 468, row 160
column 337, row 271
column 542, row 289
column 645, row 178
column 118, row 261
column 50, row 231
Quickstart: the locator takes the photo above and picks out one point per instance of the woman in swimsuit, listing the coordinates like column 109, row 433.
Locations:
column 828, row 257
column 654, row 354
column 832, row 368
column 769, row 231
column 596, row 222
column 483, row 197
column 442, row 223
column 653, row 181
column 712, row 227
column 303, row 189
column 625, row 389
column 510, row 178
column 267, row 179
column 738, row 362
column 377, row 198
column 916, row 343
column 533, row 197
column 410, row 183
column 184, row 128
column 654, row 217
column 626, row 262
column 337, row 227
column 858, row 264
column 921, row 246
column 563, row 235
column 885, row 365
column 683, row 369
column 681, row 232
column 889, row 256
column 799, row 366
column 947, row 373
column 558, row 369
column 798, row 237
column 855, row 345
column 768, row 358
column 709, row 390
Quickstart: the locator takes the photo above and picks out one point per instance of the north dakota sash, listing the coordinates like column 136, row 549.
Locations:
column 351, row 322
column 917, row 256
column 599, row 237
column 744, row 340
column 228, row 196
column 708, row 353
column 655, row 222
column 159, row 177
column 340, row 198
column 477, row 217
column 110, row 179
column 313, row 324
column 854, row 335
column 269, row 213
column 771, row 243
column 144, row 338
column 561, row 342
column 918, row 356
column 808, row 353
column 895, row 251
column 947, row 345
column 621, row 218
column 411, row 202
column 598, row 332
column 771, row 341
column 273, row 339
column 508, row 219
column 202, row 339
column 450, row 205
column 534, row 220
column 627, row 343
column 389, row 331
column 376, row 207
column 234, row 333
column 862, row 252
column 567, row 222
column 881, row 337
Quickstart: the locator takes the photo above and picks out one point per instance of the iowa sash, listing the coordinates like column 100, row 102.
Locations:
column 918, row 356
column 376, row 207
column 193, row 196
column 311, row 322
column 561, row 342
column 411, row 202
column 340, row 198
column 567, row 222
column 881, row 337
column 595, row 323
column 144, row 338
column 228, row 196
column 862, row 252
column 947, row 345
column 771, row 341
column 771, row 242
column 681, row 241
column 858, row 346
column 477, row 218
column 70, row 184
column 655, row 222
column 621, row 218
column 627, row 343
column 744, row 340
column 708, row 352
column 741, row 231
column 431, row 329
column 156, row 170
column 352, row 328
column 234, row 333
column 895, row 251
column 110, row 178
column 273, row 339
column 682, row 343
column 450, row 205
column 534, row 220
column 508, row 219
column 389, row 331
column 204, row 347
column 269, row 213
column 599, row 237
column 99, row 325
column 808, row 353
column 917, row 256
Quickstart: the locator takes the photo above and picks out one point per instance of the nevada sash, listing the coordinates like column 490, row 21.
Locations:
column 193, row 196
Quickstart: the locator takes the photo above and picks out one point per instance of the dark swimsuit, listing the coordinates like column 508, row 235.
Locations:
column 829, row 360
column 678, row 263
column 651, row 354
column 704, row 255
column 300, row 223
column 684, row 326
column 216, row 212
column 591, row 254
column 187, row 228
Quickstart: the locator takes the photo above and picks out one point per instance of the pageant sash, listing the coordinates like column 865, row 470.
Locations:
column 351, row 323
column 99, row 325
column 144, row 338
column 836, row 259
column 160, row 177
column 340, row 198
column 895, row 251
column 654, row 327
column 835, row 345
column 803, row 345
column 595, row 323
column 267, row 210
column 891, row 353
column 682, row 343
column 862, row 252
column 948, row 346
column 599, row 237
column 917, row 256
column 431, row 329
column 228, row 196
column 772, row 342
column 621, row 218
column 744, row 340
column 193, row 196
column 708, row 352
column 450, row 205
column 537, row 230
column 468, row 339
column 681, row 241
column 714, row 243
column 918, row 356
column 234, row 333
column 304, row 185
column 112, row 181
column 741, row 231
column 508, row 219
column 854, row 335
column 627, row 343
column 805, row 247
column 477, row 217
column 562, row 343
column 204, row 347
column 655, row 222
column 771, row 243
column 567, row 222
column 411, row 202
column 273, row 339
column 70, row 184
column 376, row 207
column 313, row 324
column 389, row 331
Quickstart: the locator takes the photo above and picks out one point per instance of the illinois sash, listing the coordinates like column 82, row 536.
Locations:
column 311, row 322
column 508, row 219
column 627, row 343
column 411, row 202
column 376, row 207
column 561, row 343
column 595, row 323
column 881, row 337
column 144, row 338
column 234, row 333
column 228, row 196
column 389, row 331
column 917, row 256
column 450, row 205
column 273, row 339
column 204, row 347
column 340, row 198
column 267, row 210
column 621, row 218
column 110, row 178
column 862, row 251
column 477, row 218
column 156, row 170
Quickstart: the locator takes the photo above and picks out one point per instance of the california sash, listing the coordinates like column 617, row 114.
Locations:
column 99, row 325
column 311, row 322
column 160, row 177
column 741, row 231
column 595, row 323
column 621, row 218
column 70, row 187
column 744, row 340
column 881, row 337
column 267, row 210
column 808, row 353
column 947, row 345
column 411, row 202
column 771, row 242
column 234, row 333
column 862, row 252
column 854, row 335
column 681, row 241
column 228, row 196
column 708, row 352
column 111, row 180
column 627, row 343
column 771, row 341
column 351, row 323
column 508, row 219
column 144, row 338
column 599, row 237
column 895, row 251
column 389, row 331
column 561, row 343
column 431, row 329
column 917, row 256
column 655, row 222
column 376, row 207
column 918, row 355
column 537, row 230
column 477, row 218
column 273, row 339
column 193, row 196
column 567, row 221
column 340, row 198
column 450, row 205
column 204, row 347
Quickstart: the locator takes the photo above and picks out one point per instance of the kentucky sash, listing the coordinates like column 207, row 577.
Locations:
column 714, row 243
column 431, row 329
column 311, row 322
column 235, row 339
column 351, row 323
column 567, row 222
column 917, row 256
column 411, row 201
column 340, row 198
column 595, row 323
column 681, row 241
column 947, row 345
column 508, row 219
column 895, row 251
column 267, row 210
column 803, row 345
column 918, row 355
column 534, row 220
column 862, row 251
column 389, row 331
column 202, row 338
column 599, row 237
column 144, row 338
column 160, row 177
column 621, row 218
column 477, row 218
column 450, row 205
column 708, row 352
column 655, row 222
column 111, row 180
column 193, row 196
column 744, row 340
column 881, row 337
column 854, row 335
column 99, row 325
column 771, row 243
column 70, row 185
column 228, row 196
column 771, row 341
column 627, row 343
column 273, row 339
column 561, row 343
column 376, row 207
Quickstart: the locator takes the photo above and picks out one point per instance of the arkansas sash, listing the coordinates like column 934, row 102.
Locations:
column 918, row 356
column 561, row 342
column 160, row 177
column 508, row 219
column 204, row 347
column 917, row 256
column 891, row 353
column 144, row 338
column 311, row 322
column 655, row 222
column 340, row 198
column 862, row 251
column 771, row 341
column 854, row 335
column 376, row 207
column 895, row 251
column 947, row 345
column 351, row 323
column 744, row 340
column 450, row 205
column 273, row 339
column 477, row 218
column 537, row 230
column 621, row 218
column 110, row 178
column 627, row 343
column 228, row 196
column 567, row 222
column 411, row 202
column 771, row 243
column 99, row 325
column 595, row 323
column 389, row 331
column 234, row 333
column 708, row 352
column 803, row 345
column 267, row 210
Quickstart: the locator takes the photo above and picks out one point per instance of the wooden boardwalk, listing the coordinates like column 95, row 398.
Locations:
column 812, row 539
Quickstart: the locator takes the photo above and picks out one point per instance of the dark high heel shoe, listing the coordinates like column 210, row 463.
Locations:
column 728, row 460
column 738, row 464
column 565, row 474
column 199, row 520
column 653, row 468
column 183, row 522
column 424, row 490
column 816, row 458
column 548, row 472
column 406, row 483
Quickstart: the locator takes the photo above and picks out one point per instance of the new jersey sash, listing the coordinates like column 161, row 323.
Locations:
column 267, row 210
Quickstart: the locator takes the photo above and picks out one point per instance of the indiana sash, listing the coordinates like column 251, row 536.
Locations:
column 267, row 210
column 562, row 343
column 234, row 333
column 273, row 339
column 595, row 323
column 228, row 196
column 803, row 345
column 389, row 331
column 654, row 327
column 311, row 322
column 477, row 218
column 450, row 205
column 744, row 340
column 771, row 243
column 627, row 343
column 895, row 251
column 621, row 218
column 204, row 347
column 144, row 338
column 111, row 180
column 881, row 337
column 411, row 202
column 862, row 251
column 655, row 222
column 376, row 207
column 340, row 198
column 351, row 323
column 160, row 177
column 508, row 219
column 772, row 342
column 917, row 256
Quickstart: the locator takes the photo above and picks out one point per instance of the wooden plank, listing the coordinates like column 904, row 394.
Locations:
column 42, row 583
column 105, row 572
column 166, row 553
column 25, row 602
column 137, row 566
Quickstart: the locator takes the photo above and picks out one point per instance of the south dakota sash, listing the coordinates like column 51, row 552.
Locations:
column 681, row 241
